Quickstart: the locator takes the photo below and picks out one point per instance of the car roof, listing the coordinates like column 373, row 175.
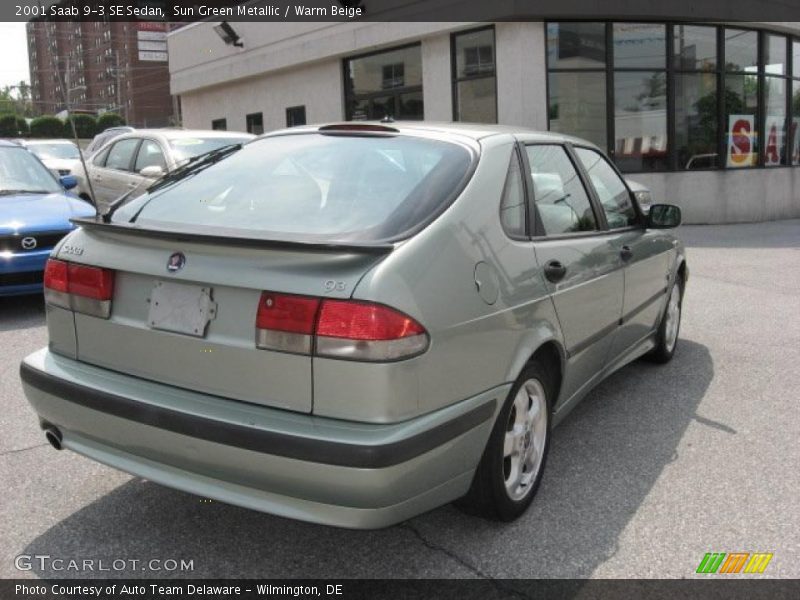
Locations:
column 53, row 141
column 473, row 131
column 176, row 134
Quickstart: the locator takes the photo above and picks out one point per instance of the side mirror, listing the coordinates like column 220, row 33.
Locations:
column 68, row 181
column 664, row 216
column 152, row 172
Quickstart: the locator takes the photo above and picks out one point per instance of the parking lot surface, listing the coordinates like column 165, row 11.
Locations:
column 659, row 465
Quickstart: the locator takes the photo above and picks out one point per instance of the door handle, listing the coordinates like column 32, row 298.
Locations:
column 554, row 271
column 626, row 253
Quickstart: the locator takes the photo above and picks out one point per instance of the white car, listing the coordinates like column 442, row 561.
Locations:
column 129, row 163
column 61, row 157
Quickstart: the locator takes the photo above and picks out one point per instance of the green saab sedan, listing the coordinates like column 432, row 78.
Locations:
column 354, row 323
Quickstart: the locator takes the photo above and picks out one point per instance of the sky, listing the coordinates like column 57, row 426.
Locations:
column 14, row 50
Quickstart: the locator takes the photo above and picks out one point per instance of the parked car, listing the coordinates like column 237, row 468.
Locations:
column 105, row 136
column 35, row 210
column 132, row 161
column 355, row 323
column 62, row 157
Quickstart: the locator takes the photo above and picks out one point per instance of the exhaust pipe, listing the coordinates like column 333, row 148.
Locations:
column 53, row 436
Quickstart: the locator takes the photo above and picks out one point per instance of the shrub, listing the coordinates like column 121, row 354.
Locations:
column 47, row 126
column 85, row 126
column 12, row 126
column 107, row 120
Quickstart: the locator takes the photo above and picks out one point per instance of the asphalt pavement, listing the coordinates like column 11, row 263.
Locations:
column 659, row 465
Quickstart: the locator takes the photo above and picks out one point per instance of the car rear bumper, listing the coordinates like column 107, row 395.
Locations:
column 315, row 469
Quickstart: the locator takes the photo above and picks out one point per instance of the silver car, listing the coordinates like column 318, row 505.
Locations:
column 132, row 161
column 355, row 323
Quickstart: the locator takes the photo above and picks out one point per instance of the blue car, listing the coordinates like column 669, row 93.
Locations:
column 35, row 213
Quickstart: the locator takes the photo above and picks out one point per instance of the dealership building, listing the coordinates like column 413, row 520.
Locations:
column 705, row 114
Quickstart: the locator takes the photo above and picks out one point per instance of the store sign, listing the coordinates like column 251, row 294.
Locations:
column 150, row 56
column 773, row 151
column 156, row 46
column 152, row 36
column 741, row 141
column 794, row 142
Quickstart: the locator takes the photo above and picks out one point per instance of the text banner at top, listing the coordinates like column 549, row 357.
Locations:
column 188, row 11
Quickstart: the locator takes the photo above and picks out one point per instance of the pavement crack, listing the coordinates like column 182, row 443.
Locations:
column 508, row 592
column 16, row 450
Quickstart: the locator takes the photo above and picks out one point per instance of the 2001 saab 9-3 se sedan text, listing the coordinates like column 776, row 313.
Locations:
column 355, row 323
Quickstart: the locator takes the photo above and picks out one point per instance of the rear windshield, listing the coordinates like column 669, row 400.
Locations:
column 312, row 187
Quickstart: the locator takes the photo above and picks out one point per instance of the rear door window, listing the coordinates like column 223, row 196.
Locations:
column 561, row 200
column 150, row 155
column 611, row 190
column 120, row 156
column 313, row 187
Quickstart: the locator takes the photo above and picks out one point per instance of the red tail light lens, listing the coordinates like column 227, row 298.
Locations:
column 286, row 322
column 91, row 282
column 79, row 288
column 343, row 329
column 367, row 332
column 364, row 321
column 55, row 275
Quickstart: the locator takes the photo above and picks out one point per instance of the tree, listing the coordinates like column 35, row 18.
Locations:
column 19, row 102
column 13, row 126
column 47, row 126
column 85, row 126
column 107, row 120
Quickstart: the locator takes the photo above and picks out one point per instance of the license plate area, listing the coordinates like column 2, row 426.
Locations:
column 181, row 308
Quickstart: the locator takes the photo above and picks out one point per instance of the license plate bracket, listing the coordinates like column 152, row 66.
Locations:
column 181, row 308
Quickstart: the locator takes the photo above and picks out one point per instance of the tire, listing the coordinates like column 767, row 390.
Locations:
column 504, row 486
column 669, row 328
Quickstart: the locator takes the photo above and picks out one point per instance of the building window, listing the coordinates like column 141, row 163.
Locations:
column 474, row 81
column 384, row 84
column 295, row 115
column 255, row 123
column 661, row 97
column 794, row 137
column 576, row 57
column 219, row 124
column 696, row 98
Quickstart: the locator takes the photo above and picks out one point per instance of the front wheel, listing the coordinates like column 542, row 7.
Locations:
column 667, row 335
column 513, row 462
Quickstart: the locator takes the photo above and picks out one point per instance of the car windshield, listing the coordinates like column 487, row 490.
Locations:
column 46, row 151
column 186, row 148
column 21, row 173
column 312, row 187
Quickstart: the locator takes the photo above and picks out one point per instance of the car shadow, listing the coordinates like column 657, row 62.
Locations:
column 21, row 312
column 605, row 458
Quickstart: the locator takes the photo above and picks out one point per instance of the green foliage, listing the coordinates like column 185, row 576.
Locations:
column 12, row 126
column 16, row 99
column 107, row 120
column 47, row 126
column 85, row 126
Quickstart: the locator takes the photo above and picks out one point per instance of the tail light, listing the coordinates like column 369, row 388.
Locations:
column 80, row 288
column 344, row 329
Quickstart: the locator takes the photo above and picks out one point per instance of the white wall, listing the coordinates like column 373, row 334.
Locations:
column 437, row 91
column 317, row 86
column 521, row 74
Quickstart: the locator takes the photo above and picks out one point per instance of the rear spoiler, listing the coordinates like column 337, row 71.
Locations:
column 230, row 237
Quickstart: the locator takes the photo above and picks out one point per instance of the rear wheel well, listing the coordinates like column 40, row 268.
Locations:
column 682, row 275
column 549, row 354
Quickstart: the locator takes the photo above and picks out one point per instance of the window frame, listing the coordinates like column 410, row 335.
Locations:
column 223, row 121
column 299, row 107
column 672, row 71
column 454, row 77
column 395, row 93
column 249, row 121
column 134, row 154
column 537, row 232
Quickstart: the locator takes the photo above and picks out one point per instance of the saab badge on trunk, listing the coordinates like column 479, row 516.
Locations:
column 176, row 262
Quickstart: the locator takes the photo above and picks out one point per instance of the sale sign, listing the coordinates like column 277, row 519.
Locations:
column 794, row 142
column 773, row 150
column 741, row 141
